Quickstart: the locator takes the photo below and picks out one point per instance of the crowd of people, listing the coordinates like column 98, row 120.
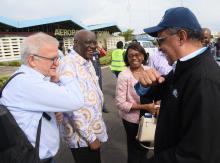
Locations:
column 179, row 85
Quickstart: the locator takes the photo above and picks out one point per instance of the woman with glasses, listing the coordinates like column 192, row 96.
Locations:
column 128, row 102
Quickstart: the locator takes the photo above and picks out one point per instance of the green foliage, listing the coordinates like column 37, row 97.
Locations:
column 11, row 63
column 3, row 79
column 106, row 60
column 128, row 35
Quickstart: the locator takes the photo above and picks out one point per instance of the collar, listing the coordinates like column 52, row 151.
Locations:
column 174, row 66
column 80, row 59
column 193, row 54
column 182, row 66
column 28, row 70
column 190, row 56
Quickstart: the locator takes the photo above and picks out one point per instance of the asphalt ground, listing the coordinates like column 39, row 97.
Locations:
column 7, row 70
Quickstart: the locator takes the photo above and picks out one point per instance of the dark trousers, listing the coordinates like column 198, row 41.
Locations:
column 136, row 153
column 116, row 73
column 84, row 155
column 98, row 71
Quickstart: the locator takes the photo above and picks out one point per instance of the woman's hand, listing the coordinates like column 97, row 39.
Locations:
column 152, row 108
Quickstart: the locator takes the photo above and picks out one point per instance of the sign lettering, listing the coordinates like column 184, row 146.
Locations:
column 65, row 32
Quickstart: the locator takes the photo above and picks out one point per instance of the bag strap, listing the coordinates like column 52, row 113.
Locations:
column 37, row 144
column 9, row 81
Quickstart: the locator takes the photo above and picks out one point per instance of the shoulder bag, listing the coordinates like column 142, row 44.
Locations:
column 14, row 144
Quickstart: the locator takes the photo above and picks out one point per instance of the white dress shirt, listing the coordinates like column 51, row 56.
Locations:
column 30, row 94
column 159, row 62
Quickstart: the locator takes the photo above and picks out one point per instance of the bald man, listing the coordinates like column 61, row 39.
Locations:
column 206, row 42
column 86, row 129
column 207, row 36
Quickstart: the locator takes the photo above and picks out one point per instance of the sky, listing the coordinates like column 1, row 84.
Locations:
column 133, row 14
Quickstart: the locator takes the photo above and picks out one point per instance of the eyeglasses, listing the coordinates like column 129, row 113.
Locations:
column 88, row 42
column 54, row 59
column 160, row 40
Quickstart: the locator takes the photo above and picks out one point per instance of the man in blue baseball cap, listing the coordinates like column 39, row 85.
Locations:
column 188, row 123
column 179, row 17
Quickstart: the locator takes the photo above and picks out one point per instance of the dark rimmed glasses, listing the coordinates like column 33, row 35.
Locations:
column 88, row 42
column 53, row 59
column 160, row 40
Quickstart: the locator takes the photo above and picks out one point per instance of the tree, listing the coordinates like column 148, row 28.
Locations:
column 128, row 35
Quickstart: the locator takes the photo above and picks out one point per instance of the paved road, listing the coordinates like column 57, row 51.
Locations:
column 7, row 70
column 114, row 151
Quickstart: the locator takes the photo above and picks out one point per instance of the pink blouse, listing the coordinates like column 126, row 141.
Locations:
column 126, row 96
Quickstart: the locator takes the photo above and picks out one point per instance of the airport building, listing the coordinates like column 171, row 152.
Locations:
column 13, row 32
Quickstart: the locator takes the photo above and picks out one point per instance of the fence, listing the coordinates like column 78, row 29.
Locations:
column 10, row 48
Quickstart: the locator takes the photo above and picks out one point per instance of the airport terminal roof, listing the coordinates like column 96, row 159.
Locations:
column 112, row 27
column 66, row 21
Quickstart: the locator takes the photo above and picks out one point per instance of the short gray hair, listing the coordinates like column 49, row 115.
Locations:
column 33, row 43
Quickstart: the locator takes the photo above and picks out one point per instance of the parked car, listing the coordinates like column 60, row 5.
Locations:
column 147, row 45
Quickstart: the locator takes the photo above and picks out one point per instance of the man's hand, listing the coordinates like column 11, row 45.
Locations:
column 95, row 145
column 59, row 117
column 151, row 77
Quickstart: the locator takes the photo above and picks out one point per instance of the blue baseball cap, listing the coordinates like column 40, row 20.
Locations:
column 179, row 17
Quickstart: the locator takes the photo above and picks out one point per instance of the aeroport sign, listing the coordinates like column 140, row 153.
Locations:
column 72, row 32
column 65, row 32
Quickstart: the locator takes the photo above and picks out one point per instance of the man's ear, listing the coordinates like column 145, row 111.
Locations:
column 31, row 61
column 182, row 36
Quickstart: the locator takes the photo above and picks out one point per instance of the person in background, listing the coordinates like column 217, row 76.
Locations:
column 134, row 41
column 69, row 51
column 217, row 46
column 159, row 62
column 61, row 50
column 206, row 36
column 85, row 128
column 29, row 95
column 188, row 123
column 207, row 40
column 96, row 63
column 128, row 102
column 117, row 63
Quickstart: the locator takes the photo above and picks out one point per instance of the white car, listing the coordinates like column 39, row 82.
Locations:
column 148, row 46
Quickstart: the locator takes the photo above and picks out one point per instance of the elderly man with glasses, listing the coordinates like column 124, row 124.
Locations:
column 33, row 93
column 188, row 123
